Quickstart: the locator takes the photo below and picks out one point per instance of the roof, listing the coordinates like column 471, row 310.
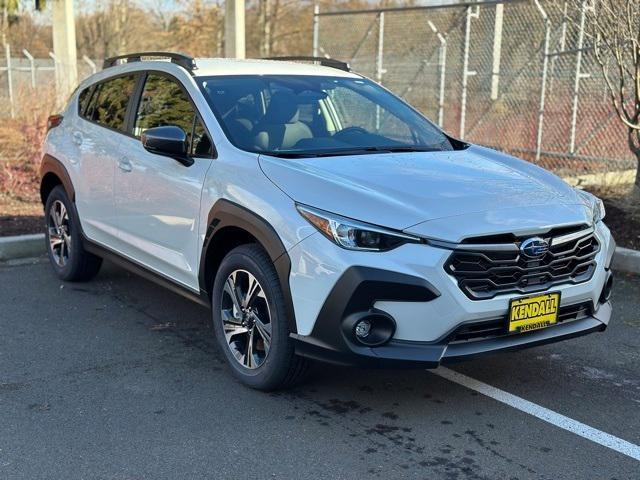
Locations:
column 232, row 66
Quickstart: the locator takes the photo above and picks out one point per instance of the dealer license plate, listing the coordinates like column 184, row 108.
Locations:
column 533, row 313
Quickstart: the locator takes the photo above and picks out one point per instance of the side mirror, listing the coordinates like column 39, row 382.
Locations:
column 168, row 141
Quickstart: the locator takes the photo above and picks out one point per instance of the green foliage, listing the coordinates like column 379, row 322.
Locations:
column 163, row 103
column 112, row 101
column 11, row 6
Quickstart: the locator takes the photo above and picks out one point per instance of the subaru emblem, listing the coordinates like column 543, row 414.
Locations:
column 534, row 247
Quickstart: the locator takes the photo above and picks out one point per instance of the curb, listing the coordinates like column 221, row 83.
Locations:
column 21, row 246
column 626, row 260
column 25, row 246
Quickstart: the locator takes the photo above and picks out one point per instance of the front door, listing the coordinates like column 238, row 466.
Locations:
column 157, row 198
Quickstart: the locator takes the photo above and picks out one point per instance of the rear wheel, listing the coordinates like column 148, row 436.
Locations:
column 250, row 321
column 69, row 259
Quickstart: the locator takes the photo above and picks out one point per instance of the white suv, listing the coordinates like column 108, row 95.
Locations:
column 318, row 215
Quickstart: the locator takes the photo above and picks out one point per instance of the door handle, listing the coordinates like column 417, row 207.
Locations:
column 77, row 138
column 124, row 164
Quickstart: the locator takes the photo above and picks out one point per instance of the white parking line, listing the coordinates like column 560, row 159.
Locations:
column 602, row 438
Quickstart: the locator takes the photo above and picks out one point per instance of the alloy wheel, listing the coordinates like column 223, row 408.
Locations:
column 59, row 233
column 246, row 319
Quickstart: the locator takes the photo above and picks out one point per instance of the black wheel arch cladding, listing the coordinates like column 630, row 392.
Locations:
column 52, row 173
column 246, row 226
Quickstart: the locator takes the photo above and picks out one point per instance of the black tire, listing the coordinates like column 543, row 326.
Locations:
column 73, row 263
column 281, row 367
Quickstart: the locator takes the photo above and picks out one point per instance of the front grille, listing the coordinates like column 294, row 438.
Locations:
column 483, row 272
column 498, row 327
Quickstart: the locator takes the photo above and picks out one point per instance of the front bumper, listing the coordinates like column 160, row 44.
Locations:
column 409, row 284
column 360, row 287
column 398, row 353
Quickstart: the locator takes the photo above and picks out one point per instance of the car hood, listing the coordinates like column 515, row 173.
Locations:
column 406, row 189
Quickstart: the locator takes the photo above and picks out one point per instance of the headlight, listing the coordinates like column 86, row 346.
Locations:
column 354, row 235
column 594, row 203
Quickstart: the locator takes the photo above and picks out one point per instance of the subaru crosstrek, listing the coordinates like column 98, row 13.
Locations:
column 318, row 215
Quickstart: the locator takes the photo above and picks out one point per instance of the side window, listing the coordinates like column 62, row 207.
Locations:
column 112, row 99
column 91, row 106
column 200, row 145
column 163, row 103
column 83, row 100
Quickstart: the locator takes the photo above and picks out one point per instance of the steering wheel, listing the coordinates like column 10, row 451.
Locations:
column 348, row 130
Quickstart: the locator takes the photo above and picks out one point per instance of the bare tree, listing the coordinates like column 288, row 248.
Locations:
column 267, row 11
column 283, row 26
column 614, row 26
column 119, row 12
column 198, row 28
column 162, row 11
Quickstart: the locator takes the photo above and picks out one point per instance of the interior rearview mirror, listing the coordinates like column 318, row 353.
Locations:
column 169, row 141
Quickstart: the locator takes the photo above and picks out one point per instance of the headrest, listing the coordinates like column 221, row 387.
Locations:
column 283, row 108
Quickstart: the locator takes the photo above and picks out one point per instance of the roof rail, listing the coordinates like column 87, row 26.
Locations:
column 324, row 61
column 181, row 59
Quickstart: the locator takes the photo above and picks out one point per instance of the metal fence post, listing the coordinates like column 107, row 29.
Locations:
column 543, row 87
column 562, row 45
column 7, row 52
column 90, row 62
column 472, row 12
column 576, row 83
column 442, row 60
column 379, row 60
column 55, row 69
column 497, row 49
column 32, row 66
column 316, row 28
column 380, row 52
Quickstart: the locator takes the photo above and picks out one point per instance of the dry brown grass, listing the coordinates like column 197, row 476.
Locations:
column 21, row 141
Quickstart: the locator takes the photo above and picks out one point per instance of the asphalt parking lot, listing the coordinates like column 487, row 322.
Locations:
column 120, row 379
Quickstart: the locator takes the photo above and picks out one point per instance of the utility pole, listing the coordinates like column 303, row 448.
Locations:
column 64, row 46
column 234, row 42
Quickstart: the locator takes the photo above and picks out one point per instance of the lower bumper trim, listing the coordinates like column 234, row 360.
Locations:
column 397, row 354
column 563, row 331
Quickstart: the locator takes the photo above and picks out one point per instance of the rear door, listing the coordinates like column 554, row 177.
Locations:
column 157, row 198
column 97, row 135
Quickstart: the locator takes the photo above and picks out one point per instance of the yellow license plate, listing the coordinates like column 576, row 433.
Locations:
column 533, row 313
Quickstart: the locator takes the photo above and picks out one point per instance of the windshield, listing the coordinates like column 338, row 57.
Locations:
column 297, row 116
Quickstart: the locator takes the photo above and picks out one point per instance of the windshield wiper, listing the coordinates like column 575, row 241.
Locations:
column 328, row 153
column 352, row 151
column 409, row 148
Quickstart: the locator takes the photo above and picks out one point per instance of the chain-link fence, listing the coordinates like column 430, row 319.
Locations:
column 22, row 75
column 519, row 76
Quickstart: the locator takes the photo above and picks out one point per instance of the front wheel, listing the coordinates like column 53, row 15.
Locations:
column 250, row 322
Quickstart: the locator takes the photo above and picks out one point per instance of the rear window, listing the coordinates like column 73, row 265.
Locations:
column 108, row 104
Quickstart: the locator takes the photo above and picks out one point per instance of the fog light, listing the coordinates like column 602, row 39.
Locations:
column 363, row 327
column 371, row 328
